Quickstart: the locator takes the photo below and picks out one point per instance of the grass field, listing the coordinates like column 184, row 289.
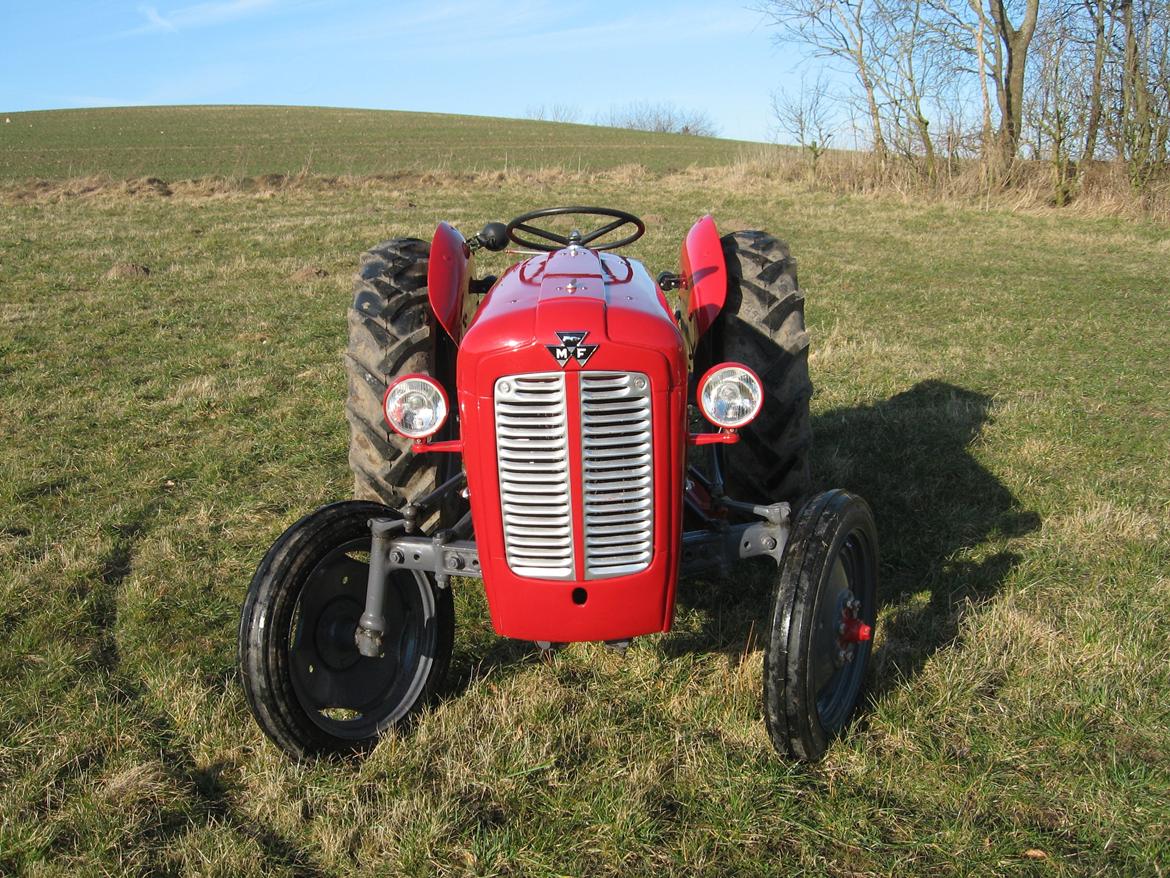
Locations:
column 185, row 142
column 994, row 383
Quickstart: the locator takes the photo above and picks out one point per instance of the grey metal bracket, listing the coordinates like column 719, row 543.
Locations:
column 392, row 550
column 717, row 550
column 434, row 555
column 372, row 625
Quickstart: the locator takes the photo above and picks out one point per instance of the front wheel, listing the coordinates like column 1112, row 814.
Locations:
column 309, row 688
column 820, row 636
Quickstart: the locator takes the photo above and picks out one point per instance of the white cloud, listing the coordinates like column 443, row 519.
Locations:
column 198, row 15
column 155, row 21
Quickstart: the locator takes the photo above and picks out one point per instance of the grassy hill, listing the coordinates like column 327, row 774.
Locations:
column 185, row 142
column 172, row 397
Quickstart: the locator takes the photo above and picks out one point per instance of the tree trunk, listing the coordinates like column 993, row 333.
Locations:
column 875, row 116
column 1093, row 124
column 984, row 93
column 1015, row 45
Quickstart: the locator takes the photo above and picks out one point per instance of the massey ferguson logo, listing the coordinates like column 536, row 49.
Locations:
column 571, row 348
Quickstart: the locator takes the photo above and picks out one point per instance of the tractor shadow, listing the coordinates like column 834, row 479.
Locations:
column 935, row 504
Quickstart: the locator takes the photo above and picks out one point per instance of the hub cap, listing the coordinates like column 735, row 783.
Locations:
column 343, row 692
column 841, row 636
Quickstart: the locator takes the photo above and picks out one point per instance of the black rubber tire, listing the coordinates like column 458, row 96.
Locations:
column 268, row 614
column 391, row 333
column 762, row 326
column 824, row 526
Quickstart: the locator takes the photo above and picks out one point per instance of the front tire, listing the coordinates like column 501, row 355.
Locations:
column 309, row 688
column 820, row 633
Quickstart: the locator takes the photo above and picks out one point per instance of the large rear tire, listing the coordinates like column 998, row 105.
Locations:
column 391, row 333
column 762, row 326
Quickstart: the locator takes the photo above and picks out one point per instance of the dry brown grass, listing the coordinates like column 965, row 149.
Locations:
column 1101, row 189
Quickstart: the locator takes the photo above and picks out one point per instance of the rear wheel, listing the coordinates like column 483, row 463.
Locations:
column 762, row 326
column 821, row 625
column 309, row 688
column 391, row 333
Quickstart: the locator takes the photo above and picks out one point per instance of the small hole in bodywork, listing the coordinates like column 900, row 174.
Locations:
column 417, row 556
column 580, row 596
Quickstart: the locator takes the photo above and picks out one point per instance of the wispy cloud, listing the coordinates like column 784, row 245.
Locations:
column 197, row 16
column 154, row 20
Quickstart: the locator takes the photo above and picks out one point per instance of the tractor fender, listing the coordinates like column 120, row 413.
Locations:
column 702, row 276
column 449, row 278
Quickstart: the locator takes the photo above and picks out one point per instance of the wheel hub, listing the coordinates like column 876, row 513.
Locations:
column 333, row 636
column 851, row 630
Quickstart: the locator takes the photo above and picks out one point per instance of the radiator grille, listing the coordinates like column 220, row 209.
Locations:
column 618, row 473
column 532, row 449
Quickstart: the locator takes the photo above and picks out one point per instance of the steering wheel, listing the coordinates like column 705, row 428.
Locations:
column 621, row 218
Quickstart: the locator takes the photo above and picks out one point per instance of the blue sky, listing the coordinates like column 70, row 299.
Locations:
column 466, row 56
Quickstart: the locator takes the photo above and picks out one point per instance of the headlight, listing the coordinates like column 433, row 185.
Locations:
column 730, row 395
column 415, row 406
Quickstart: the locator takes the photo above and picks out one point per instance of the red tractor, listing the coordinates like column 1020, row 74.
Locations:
column 544, row 438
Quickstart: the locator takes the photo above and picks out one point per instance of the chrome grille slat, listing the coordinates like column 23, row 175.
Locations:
column 532, row 451
column 617, row 477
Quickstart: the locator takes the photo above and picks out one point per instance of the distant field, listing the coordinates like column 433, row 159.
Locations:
column 185, row 142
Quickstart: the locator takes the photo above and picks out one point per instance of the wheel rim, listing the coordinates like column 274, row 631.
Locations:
column 342, row 692
column 841, row 646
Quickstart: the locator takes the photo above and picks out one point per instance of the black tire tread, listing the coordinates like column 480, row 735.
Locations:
column 390, row 333
column 762, row 326
column 263, row 663
column 789, row 717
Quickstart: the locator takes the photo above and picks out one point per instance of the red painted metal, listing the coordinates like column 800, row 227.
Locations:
column 451, row 446
column 619, row 305
column 448, row 277
column 703, row 273
column 856, row 631
column 728, row 437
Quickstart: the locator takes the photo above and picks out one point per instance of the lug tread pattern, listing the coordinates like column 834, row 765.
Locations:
column 390, row 333
column 762, row 326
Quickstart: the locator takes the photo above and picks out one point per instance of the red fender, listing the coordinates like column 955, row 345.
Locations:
column 448, row 277
column 703, row 274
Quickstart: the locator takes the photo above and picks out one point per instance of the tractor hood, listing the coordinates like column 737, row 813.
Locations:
column 587, row 328
column 573, row 303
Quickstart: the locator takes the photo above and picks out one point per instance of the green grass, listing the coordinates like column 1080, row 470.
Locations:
column 994, row 383
column 185, row 142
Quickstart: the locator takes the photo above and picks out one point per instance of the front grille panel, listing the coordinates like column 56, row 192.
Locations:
column 618, row 481
column 532, row 450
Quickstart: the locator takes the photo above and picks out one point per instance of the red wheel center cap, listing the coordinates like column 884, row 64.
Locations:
column 856, row 631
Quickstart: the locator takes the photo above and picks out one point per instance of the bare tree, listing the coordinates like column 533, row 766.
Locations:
column 1144, row 103
column 1064, row 80
column 553, row 113
column 1057, row 112
column 909, row 68
column 1010, row 85
column 661, row 117
column 1100, row 13
column 806, row 117
column 844, row 31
